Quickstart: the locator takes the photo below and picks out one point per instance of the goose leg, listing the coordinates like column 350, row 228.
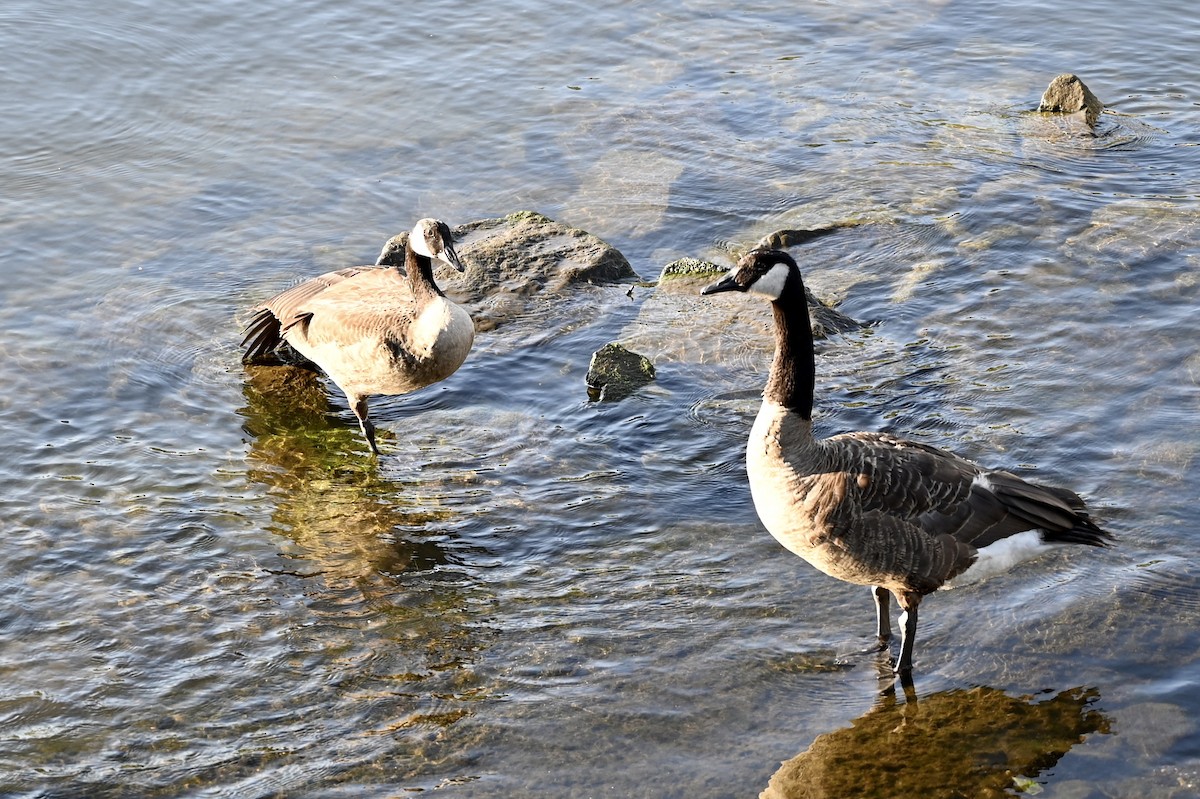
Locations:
column 908, row 621
column 359, row 405
column 883, row 622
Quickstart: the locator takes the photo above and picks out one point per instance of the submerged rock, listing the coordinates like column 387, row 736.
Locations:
column 1067, row 94
column 783, row 239
column 615, row 372
column 826, row 319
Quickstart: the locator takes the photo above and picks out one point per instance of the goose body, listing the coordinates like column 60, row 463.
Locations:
column 373, row 330
column 874, row 509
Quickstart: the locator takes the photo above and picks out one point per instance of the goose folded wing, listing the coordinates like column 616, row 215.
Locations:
column 903, row 478
column 287, row 304
column 944, row 494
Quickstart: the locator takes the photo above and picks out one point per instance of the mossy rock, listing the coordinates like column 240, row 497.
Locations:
column 614, row 373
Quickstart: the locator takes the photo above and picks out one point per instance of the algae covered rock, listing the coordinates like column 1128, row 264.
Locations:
column 690, row 268
column 614, row 372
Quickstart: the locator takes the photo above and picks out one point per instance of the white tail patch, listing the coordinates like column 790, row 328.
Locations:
column 1001, row 556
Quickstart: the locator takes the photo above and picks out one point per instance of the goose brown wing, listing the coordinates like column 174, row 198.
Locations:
column 264, row 332
column 900, row 554
column 902, row 478
column 372, row 305
column 289, row 304
column 944, row 494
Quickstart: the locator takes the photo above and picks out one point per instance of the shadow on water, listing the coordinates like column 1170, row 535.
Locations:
column 976, row 742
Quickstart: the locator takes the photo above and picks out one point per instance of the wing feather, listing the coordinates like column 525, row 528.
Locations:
column 945, row 494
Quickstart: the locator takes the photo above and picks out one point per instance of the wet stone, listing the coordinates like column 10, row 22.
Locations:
column 1067, row 94
column 614, row 373
column 512, row 260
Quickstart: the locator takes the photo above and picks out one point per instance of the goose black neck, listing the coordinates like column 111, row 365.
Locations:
column 792, row 370
column 420, row 272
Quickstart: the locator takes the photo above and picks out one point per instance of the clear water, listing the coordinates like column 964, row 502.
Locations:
column 210, row 592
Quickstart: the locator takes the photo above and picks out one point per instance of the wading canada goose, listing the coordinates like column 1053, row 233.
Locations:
column 373, row 330
column 873, row 509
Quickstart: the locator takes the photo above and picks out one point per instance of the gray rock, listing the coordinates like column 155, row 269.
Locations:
column 688, row 275
column 513, row 259
column 783, row 239
column 615, row 373
column 1067, row 94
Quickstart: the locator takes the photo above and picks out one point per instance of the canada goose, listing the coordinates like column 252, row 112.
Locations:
column 373, row 330
column 873, row 509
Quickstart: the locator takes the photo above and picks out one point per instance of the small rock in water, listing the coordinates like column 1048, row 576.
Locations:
column 789, row 237
column 615, row 373
column 691, row 267
column 826, row 320
column 1067, row 94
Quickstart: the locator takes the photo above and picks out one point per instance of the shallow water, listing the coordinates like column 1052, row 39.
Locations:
column 212, row 592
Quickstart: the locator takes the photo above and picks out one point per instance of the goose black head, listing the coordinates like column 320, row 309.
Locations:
column 762, row 270
column 431, row 238
column 392, row 253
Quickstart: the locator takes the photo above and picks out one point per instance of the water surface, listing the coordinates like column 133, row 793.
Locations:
column 211, row 591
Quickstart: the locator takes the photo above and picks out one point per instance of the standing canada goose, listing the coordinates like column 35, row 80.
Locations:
column 873, row 509
column 373, row 330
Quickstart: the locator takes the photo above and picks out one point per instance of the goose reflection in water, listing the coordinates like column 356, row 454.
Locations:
column 342, row 513
column 977, row 742
column 391, row 615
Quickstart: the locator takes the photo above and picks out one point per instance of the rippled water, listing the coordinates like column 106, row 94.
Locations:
column 210, row 591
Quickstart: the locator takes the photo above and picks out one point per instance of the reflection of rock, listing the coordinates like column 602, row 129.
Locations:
column 615, row 372
column 513, row 258
column 1067, row 94
column 977, row 742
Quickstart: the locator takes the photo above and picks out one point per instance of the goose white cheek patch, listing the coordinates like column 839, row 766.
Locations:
column 771, row 284
column 417, row 240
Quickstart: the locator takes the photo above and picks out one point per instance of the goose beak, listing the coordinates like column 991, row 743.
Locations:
column 449, row 256
column 727, row 283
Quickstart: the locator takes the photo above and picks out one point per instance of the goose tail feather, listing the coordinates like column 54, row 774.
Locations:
column 1058, row 513
column 263, row 335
